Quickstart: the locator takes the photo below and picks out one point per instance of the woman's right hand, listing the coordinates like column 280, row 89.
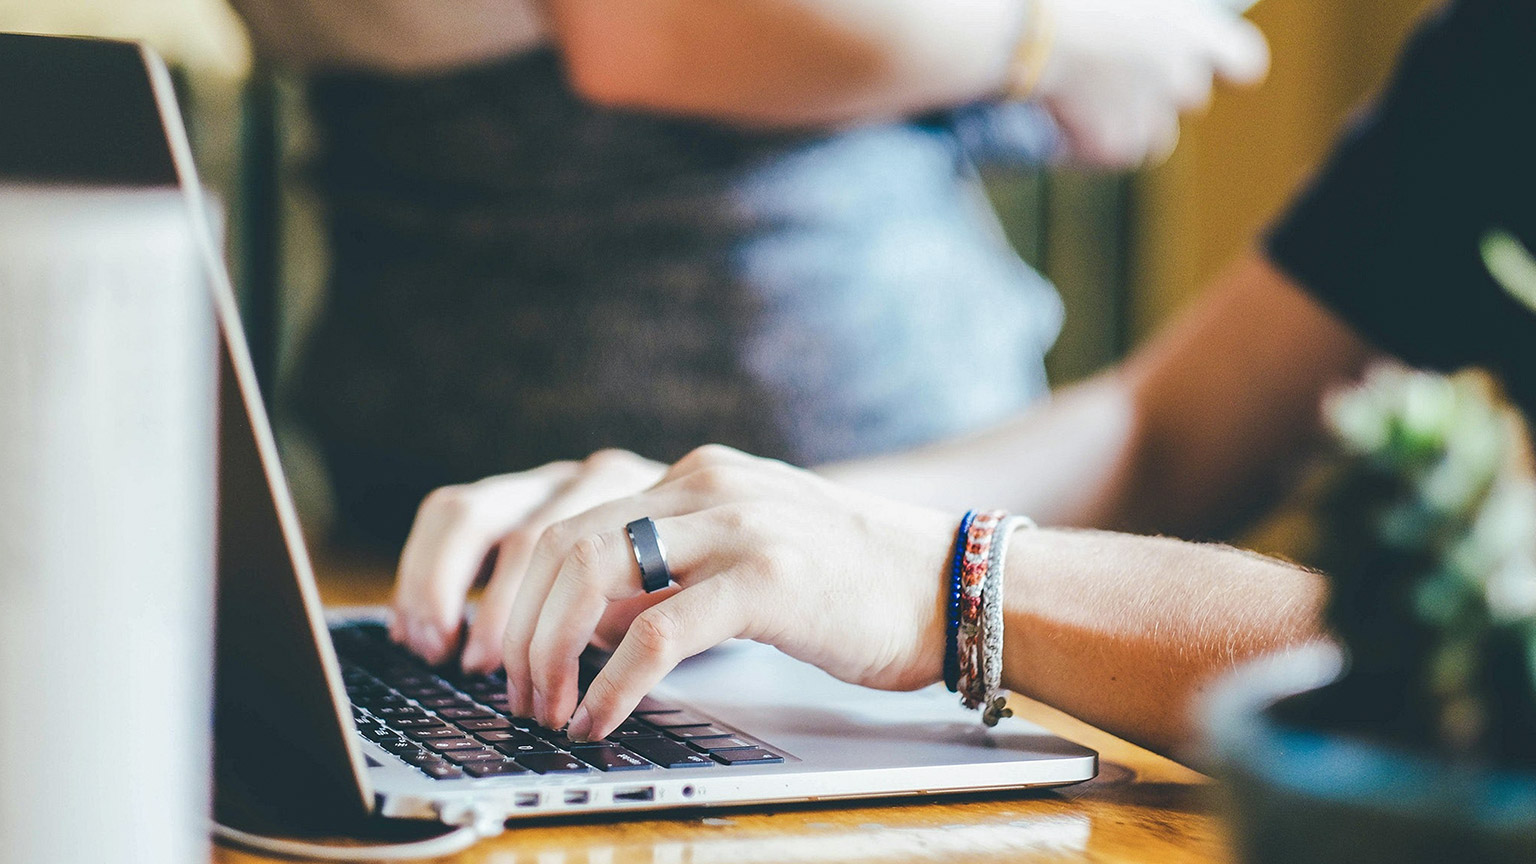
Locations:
column 1121, row 71
column 495, row 521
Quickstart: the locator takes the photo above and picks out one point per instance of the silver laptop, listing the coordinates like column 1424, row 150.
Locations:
column 322, row 722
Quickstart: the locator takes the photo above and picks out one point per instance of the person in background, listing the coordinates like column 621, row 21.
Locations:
column 1380, row 255
column 565, row 225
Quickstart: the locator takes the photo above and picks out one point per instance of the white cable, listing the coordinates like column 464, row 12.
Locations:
column 454, row 841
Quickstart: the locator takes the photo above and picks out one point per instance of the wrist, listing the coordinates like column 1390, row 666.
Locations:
column 1033, row 48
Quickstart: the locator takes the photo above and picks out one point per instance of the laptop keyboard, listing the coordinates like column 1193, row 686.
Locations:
column 450, row 725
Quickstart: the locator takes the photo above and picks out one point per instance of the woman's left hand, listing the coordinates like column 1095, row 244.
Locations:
column 759, row 550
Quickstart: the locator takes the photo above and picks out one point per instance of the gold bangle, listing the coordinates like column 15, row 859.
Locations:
column 1036, row 40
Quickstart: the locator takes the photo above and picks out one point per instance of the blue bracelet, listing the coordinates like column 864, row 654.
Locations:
column 952, row 623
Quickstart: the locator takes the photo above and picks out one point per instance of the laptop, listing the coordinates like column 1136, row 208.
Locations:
column 320, row 721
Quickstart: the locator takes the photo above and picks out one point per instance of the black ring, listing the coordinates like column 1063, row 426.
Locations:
column 649, row 554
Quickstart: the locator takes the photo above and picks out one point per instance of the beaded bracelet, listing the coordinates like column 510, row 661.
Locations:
column 952, row 620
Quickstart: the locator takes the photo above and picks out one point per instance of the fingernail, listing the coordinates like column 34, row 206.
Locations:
column 581, row 724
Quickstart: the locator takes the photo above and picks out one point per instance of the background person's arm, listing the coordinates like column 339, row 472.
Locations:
column 1186, row 437
column 1118, row 73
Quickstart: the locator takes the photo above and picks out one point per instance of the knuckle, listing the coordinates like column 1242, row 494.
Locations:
column 711, row 480
column 450, row 501
column 738, row 519
column 712, row 454
column 587, row 558
column 655, row 631
column 609, row 460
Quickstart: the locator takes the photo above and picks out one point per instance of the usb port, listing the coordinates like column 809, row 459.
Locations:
column 639, row 793
column 577, row 796
column 526, row 799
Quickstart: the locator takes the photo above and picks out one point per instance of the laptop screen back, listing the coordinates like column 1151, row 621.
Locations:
column 84, row 112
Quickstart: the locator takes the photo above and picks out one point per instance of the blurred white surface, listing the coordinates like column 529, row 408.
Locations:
column 107, row 410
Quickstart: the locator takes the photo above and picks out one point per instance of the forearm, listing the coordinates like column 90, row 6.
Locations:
column 1187, row 437
column 1127, row 633
column 786, row 62
column 1066, row 462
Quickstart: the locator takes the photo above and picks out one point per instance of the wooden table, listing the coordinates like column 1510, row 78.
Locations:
column 1141, row 808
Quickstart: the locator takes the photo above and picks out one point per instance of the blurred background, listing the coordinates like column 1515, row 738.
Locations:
column 1125, row 250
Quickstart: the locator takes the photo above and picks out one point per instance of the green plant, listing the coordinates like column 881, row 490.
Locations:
column 1427, row 530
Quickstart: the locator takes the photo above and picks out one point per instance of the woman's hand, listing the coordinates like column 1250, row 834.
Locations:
column 759, row 550
column 1121, row 71
column 493, row 523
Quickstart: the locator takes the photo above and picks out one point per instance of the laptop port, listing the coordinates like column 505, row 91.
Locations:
column 577, row 796
column 639, row 793
column 526, row 799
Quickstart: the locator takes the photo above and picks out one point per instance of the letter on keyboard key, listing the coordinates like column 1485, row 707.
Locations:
column 667, row 754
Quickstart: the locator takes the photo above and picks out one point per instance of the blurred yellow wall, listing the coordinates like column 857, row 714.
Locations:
column 1237, row 165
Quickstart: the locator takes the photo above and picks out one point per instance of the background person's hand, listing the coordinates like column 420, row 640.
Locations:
column 460, row 528
column 759, row 550
column 1121, row 71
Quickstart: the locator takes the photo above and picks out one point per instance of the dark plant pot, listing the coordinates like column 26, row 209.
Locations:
column 1301, row 795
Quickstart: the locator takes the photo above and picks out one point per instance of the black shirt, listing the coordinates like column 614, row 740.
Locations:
column 1389, row 234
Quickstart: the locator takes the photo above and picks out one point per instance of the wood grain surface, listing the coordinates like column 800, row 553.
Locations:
column 1141, row 808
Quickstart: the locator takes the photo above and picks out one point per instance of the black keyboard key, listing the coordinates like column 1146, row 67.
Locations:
column 384, row 700
column 443, row 745
column 485, row 724
column 378, row 733
column 441, row 771
column 421, row 758
column 524, row 746
column 415, row 722
column 632, row 729
column 754, row 756
column 651, row 705
column 450, row 701
column 400, row 747
column 552, row 763
column 430, row 732
column 496, row 736
column 607, row 757
column 402, row 712
column 714, row 745
column 468, row 713
column 560, row 740
column 674, row 719
column 690, row 732
column 668, row 754
column 426, row 691
column 494, row 769
column 484, row 754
